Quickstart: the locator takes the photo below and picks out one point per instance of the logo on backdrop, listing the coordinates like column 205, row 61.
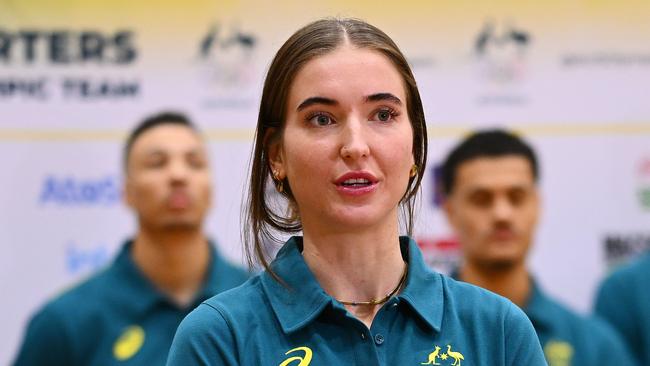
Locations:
column 226, row 56
column 643, row 190
column 604, row 59
column 82, row 259
column 27, row 52
column 73, row 191
column 620, row 248
column 440, row 253
column 436, row 186
column 500, row 56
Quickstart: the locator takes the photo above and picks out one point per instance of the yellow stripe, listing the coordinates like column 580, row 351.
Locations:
column 246, row 134
column 230, row 134
column 552, row 129
column 61, row 135
column 81, row 135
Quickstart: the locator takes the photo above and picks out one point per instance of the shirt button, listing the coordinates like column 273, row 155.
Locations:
column 363, row 336
column 379, row 339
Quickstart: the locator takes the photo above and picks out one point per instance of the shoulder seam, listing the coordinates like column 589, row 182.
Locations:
column 230, row 329
column 505, row 321
column 58, row 319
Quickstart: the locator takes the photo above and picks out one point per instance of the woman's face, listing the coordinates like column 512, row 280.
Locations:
column 347, row 145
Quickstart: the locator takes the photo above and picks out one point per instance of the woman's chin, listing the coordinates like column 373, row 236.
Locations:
column 358, row 217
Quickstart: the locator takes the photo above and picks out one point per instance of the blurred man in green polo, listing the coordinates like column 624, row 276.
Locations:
column 492, row 202
column 624, row 301
column 127, row 314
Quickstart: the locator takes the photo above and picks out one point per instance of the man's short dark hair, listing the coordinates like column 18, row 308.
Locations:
column 487, row 143
column 163, row 118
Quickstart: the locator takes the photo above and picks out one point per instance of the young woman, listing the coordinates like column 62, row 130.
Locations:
column 342, row 136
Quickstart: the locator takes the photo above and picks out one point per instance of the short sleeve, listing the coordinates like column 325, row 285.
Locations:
column 613, row 306
column 46, row 342
column 204, row 337
column 522, row 344
column 610, row 343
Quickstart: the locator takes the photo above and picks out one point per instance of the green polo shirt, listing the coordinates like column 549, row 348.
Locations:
column 569, row 339
column 116, row 317
column 624, row 301
column 434, row 320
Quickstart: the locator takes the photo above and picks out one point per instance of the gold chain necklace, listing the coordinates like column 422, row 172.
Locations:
column 383, row 299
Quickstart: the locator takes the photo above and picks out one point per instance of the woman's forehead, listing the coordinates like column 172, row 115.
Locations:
column 347, row 72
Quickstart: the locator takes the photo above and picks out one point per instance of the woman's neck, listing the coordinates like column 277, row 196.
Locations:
column 356, row 266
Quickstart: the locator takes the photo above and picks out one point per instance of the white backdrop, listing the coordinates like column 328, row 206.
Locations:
column 576, row 87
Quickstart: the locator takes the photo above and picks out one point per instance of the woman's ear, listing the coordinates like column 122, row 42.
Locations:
column 276, row 155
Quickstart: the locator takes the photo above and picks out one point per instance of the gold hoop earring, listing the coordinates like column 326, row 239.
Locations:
column 414, row 171
column 279, row 184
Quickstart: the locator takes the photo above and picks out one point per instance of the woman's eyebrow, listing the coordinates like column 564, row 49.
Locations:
column 383, row 96
column 316, row 100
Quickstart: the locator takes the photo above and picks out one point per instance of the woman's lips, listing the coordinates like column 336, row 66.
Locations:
column 356, row 183
column 357, row 190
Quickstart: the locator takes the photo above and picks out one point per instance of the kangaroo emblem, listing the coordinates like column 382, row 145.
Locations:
column 432, row 357
column 457, row 356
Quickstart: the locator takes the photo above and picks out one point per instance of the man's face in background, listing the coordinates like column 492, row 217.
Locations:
column 168, row 182
column 493, row 208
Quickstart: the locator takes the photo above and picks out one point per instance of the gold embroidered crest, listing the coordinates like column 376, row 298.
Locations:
column 129, row 343
column 433, row 356
column 558, row 353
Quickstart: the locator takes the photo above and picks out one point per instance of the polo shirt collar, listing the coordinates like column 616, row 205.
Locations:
column 303, row 299
column 538, row 308
column 424, row 289
column 138, row 294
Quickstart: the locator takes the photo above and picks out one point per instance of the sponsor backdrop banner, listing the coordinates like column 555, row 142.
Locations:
column 75, row 76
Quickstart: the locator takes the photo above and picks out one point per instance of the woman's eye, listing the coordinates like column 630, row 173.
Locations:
column 320, row 119
column 384, row 115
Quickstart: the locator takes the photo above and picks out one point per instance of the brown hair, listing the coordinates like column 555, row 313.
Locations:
column 264, row 218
